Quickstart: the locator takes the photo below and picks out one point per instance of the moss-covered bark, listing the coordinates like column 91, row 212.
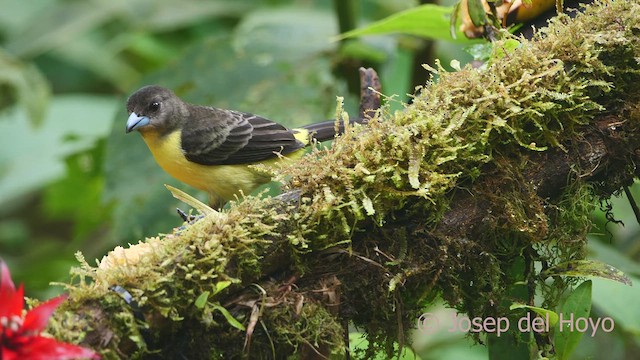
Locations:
column 486, row 168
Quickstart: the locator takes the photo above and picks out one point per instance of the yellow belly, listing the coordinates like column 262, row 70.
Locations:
column 221, row 182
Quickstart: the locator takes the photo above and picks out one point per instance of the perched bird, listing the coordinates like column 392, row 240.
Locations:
column 210, row 148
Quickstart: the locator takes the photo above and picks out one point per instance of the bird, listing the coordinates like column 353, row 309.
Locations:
column 212, row 149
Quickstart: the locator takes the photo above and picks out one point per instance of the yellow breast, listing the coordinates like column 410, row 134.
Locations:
column 221, row 182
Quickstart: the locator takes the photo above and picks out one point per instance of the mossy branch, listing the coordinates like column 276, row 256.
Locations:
column 486, row 170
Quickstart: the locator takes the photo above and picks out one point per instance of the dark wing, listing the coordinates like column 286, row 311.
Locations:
column 223, row 137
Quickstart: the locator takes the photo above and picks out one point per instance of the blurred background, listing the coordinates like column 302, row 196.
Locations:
column 71, row 180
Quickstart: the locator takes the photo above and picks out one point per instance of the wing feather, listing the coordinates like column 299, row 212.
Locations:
column 224, row 137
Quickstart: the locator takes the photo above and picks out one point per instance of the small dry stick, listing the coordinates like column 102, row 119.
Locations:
column 369, row 93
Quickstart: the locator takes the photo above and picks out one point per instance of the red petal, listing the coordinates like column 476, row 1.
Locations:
column 5, row 280
column 11, row 301
column 37, row 318
column 43, row 348
column 8, row 354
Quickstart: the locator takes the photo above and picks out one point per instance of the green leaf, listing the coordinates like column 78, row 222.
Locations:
column 31, row 157
column 88, row 51
column 454, row 20
column 358, row 342
column 221, row 285
column 363, row 51
column 503, row 48
column 291, row 34
column 619, row 302
column 577, row 306
column 16, row 15
column 27, row 86
column 63, row 22
column 76, row 197
column 230, row 319
column 168, row 15
column 610, row 255
column 396, row 78
column 476, row 12
column 429, row 21
column 548, row 315
column 588, row 268
column 481, row 52
column 201, row 301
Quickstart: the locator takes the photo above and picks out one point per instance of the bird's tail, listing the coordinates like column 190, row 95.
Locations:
column 327, row 130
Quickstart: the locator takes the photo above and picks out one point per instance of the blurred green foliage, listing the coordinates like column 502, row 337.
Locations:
column 71, row 180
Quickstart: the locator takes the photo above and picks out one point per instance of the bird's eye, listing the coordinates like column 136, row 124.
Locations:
column 154, row 106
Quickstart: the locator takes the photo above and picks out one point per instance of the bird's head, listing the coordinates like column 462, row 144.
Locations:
column 153, row 108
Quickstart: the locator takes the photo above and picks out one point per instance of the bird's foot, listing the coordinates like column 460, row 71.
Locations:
column 186, row 217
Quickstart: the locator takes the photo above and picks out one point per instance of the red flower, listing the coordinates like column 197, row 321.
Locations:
column 20, row 335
